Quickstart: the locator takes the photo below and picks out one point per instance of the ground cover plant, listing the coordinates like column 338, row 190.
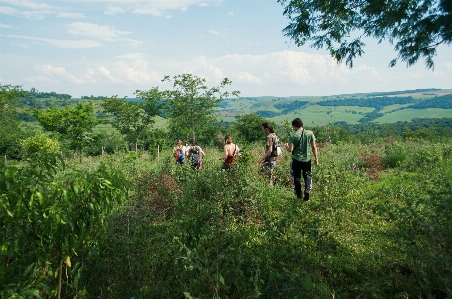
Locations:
column 377, row 226
column 114, row 223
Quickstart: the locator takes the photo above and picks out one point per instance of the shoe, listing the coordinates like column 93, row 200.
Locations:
column 306, row 196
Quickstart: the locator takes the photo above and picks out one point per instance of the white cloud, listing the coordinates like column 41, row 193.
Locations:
column 5, row 26
column 114, row 10
column 59, row 72
column 106, row 73
column 160, row 7
column 213, row 32
column 37, row 79
column 20, row 45
column 61, row 43
column 27, row 4
column 132, row 56
column 71, row 15
column 94, row 30
column 37, row 14
column 106, row 33
column 247, row 78
column 231, row 13
column 137, row 72
column 8, row 10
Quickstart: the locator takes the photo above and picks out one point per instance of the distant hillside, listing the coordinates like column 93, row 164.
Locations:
column 386, row 107
column 362, row 108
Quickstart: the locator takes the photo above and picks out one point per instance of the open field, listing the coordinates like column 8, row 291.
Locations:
column 313, row 111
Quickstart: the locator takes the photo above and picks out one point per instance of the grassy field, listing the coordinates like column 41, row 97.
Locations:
column 312, row 113
column 409, row 114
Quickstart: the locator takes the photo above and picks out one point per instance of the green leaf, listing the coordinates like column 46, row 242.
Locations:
column 308, row 282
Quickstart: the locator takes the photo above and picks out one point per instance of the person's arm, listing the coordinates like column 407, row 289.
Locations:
column 289, row 147
column 202, row 152
column 314, row 152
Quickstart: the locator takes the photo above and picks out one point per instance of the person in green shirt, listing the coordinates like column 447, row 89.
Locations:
column 300, row 141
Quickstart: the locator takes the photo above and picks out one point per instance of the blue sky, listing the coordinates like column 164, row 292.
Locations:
column 106, row 48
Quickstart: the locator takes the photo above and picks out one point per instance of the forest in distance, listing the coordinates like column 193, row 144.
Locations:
column 376, row 107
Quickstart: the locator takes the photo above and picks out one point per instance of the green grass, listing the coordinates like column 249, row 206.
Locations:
column 409, row 114
column 213, row 234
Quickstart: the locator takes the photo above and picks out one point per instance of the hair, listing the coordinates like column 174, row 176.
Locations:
column 228, row 139
column 269, row 127
column 192, row 141
column 297, row 123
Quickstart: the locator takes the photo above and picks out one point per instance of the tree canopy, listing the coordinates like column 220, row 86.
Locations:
column 10, row 125
column 191, row 106
column 132, row 119
column 415, row 28
column 73, row 124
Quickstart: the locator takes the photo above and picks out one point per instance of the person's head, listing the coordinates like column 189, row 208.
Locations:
column 267, row 128
column 192, row 141
column 297, row 123
column 228, row 139
column 179, row 142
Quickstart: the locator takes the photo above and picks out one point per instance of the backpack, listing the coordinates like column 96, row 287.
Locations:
column 195, row 155
column 179, row 154
column 276, row 148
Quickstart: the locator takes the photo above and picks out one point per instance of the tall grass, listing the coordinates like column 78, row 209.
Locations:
column 377, row 226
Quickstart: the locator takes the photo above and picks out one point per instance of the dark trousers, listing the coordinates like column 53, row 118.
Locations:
column 296, row 169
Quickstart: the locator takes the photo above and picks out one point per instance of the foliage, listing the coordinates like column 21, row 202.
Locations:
column 34, row 93
column 443, row 102
column 191, row 107
column 73, row 124
column 108, row 142
column 416, row 27
column 9, row 121
column 50, row 219
column 132, row 119
column 249, row 127
column 377, row 102
column 40, row 143
column 366, row 232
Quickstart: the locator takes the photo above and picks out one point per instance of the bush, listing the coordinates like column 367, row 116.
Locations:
column 40, row 143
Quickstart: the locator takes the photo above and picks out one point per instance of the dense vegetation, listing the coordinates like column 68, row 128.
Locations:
column 133, row 224
column 377, row 226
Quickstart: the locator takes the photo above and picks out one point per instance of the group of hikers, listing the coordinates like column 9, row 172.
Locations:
column 301, row 144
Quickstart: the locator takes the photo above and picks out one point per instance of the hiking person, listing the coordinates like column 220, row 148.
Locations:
column 231, row 150
column 196, row 154
column 270, row 156
column 299, row 142
column 179, row 152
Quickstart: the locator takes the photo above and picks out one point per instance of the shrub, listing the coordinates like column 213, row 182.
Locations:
column 40, row 143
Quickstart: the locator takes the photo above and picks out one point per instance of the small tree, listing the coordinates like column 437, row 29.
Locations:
column 73, row 124
column 249, row 127
column 40, row 143
column 191, row 106
column 132, row 119
column 10, row 125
